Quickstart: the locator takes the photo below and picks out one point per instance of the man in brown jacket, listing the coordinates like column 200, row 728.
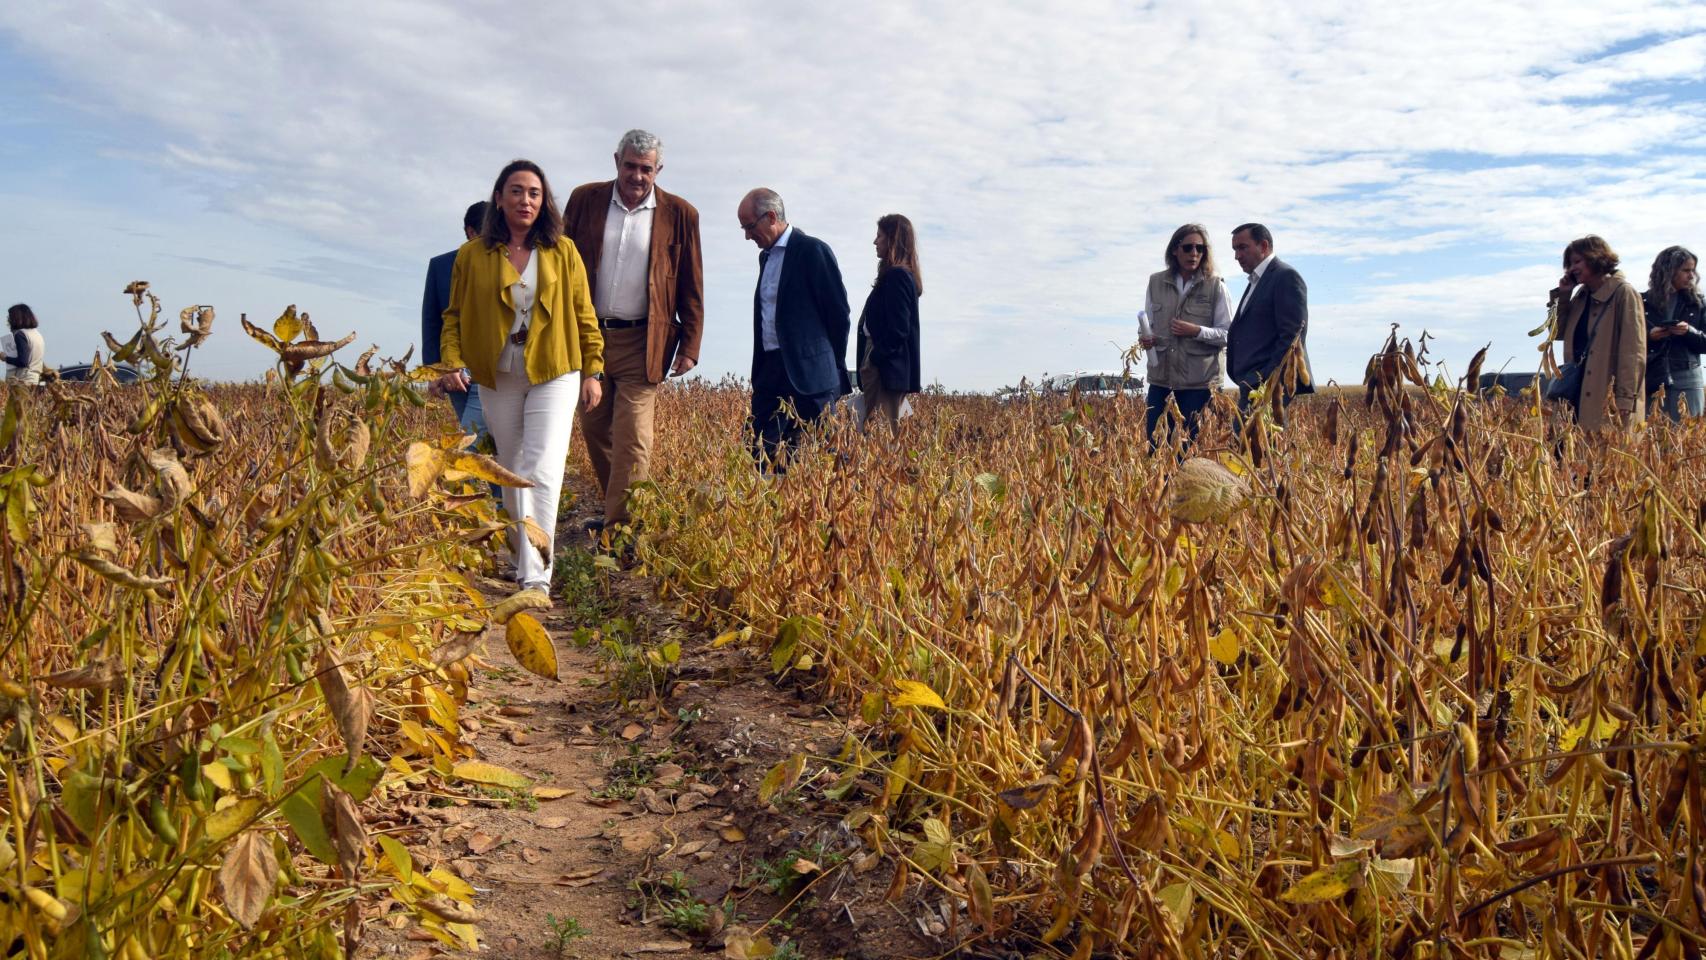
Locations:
column 641, row 249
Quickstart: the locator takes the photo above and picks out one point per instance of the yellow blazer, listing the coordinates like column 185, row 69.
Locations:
column 562, row 335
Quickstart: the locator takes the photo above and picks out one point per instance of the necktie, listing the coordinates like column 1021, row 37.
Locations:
column 1245, row 298
column 763, row 258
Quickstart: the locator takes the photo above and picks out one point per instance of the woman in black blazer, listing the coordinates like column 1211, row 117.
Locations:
column 887, row 348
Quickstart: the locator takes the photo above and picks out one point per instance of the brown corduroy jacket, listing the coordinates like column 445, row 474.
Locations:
column 675, row 288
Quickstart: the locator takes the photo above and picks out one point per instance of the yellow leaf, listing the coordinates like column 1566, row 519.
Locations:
column 225, row 823
column 479, row 771
column 914, row 694
column 399, row 857
column 1223, row 646
column 1602, row 727
column 517, row 602
column 551, row 793
column 532, row 646
column 286, row 327
column 781, row 777
column 1327, row 883
column 425, row 464
column 731, row 636
column 220, row 774
column 482, row 467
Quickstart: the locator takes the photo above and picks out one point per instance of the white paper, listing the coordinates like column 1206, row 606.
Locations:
column 9, row 344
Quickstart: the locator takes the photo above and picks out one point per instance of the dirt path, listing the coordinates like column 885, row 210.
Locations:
column 658, row 844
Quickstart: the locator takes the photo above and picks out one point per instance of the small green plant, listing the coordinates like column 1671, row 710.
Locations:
column 690, row 916
column 563, row 932
column 788, row 950
column 628, row 774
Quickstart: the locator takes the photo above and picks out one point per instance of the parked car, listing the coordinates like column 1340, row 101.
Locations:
column 1511, row 383
column 1095, row 384
column 122, row 372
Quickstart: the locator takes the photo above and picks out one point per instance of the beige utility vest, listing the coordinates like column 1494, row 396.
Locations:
column 1183, row 363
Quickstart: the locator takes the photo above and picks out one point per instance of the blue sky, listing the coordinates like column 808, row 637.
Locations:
column 1421, row 164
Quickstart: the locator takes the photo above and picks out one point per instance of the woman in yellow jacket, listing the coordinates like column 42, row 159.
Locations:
column 521, row 325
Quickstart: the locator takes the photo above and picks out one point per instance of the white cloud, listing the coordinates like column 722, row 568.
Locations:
column 1045, row 151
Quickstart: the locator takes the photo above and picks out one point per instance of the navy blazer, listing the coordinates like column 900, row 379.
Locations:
column 890, row 322
column 812, row 318
column 1276, row 314
column 433, row 302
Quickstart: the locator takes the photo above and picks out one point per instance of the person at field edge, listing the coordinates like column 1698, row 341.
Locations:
column 24, row 360
column 887, row 346
column 1272, row 314
column 1605, row 332
column 641, row 248
column 1675, row 339
column 800, row 321
column 1188, row 320
column 520, row 324
column 469, row 415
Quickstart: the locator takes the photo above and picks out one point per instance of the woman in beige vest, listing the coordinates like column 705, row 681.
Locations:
column 1185, row 319
column 24, row 347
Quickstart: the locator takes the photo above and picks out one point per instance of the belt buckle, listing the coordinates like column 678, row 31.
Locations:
column 519, row 338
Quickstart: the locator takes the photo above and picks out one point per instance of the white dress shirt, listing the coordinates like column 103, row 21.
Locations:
column 522, row 293
column 1221, row 318
column 625, row 262
column 1254, row 278
column 769, row 281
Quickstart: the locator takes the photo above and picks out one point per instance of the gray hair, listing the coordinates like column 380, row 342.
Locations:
column 641, row 143
column 766, row 200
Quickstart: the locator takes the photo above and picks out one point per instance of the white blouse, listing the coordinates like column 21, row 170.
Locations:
column 522, row 293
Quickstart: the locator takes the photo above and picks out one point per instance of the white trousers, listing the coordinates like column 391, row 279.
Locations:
column 531, row 424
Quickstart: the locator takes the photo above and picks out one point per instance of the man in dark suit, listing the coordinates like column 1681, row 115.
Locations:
column 469, row 414
column 1273, row 313
column 641, row 250
column 800, row 322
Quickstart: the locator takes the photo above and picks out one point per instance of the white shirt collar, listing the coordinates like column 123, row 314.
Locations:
column 782, row 241
column 650, row 203
column 1261, row 268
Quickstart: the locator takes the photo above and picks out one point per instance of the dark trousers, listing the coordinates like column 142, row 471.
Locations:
column 775, row 427
column 1190, row 403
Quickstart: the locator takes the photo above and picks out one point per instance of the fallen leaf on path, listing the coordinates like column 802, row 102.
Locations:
column 668, row 773
column 514, row 710
column 516, row 735
column 531, row 855
column 652, row 802
column 481, row 844
column 638, row 840
column 732, row 834
column 689, row 848
column 551, row 823
column 633, row 731
column 581, row 874
column 551, row 793
column 689, row 801
column 705, row 788
column 663, row 946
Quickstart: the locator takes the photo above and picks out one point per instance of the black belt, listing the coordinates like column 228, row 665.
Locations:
column 612, row 323
column 518, row 338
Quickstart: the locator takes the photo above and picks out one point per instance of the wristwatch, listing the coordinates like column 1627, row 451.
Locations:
column 599, row 376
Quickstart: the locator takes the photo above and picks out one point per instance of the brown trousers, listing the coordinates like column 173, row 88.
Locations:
column 877, row 398
column 618, row 431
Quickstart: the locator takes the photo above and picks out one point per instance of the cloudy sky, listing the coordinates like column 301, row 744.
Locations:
column 1421, row 163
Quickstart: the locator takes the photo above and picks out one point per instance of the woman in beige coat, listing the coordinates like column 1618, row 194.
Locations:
column 1603, row 328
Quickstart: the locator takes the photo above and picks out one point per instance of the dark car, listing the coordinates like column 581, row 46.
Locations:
column 1512, row 383
column 79, row 372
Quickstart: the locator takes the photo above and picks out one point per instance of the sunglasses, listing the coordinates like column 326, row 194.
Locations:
column 1193, row 248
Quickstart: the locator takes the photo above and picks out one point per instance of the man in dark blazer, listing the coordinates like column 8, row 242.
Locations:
column 469, row 415
column 1273, row 312
column 800, row 322
column 641, row 250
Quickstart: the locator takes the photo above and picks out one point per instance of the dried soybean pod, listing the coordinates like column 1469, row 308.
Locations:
column 1670, row 802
